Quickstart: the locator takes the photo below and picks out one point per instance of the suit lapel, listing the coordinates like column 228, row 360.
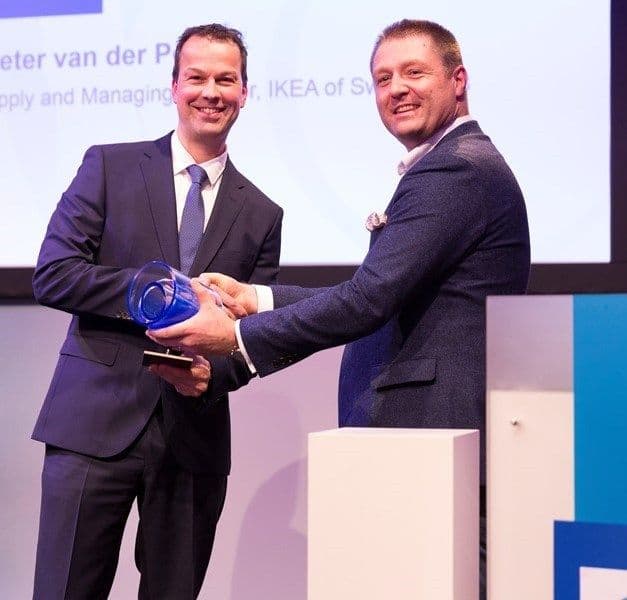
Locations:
column 229, row 202
column 156, row 168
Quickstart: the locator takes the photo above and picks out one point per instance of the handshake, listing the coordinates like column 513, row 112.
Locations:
column 210, row 331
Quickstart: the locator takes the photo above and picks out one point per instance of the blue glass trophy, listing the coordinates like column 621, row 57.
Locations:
column 159, row 296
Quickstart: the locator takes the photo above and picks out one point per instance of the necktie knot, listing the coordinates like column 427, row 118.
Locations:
column 198, row 174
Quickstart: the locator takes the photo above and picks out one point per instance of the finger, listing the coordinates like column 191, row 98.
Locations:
column 199, row 372
column 222, row 281
column 183, row 381
column 173, row 375
column 164, row 338
column 186, row 391
column 206, row 296
column 202, row 297
column 232, row 307
column 205, row 278
column 235, row 312
column 224, row 296
column 203, row 291
column 201, row 362
column 167, row 335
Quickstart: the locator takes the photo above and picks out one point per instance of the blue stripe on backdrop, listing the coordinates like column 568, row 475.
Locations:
column 600, row 379
column 44, row 8
column 585, row 544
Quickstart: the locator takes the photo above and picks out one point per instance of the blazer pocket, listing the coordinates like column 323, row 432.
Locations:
column 418, row 370
column 94, row 349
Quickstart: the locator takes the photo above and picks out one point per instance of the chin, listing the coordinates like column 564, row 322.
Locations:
column 407, row 136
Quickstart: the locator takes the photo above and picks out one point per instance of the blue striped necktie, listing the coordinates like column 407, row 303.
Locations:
column 193, row 219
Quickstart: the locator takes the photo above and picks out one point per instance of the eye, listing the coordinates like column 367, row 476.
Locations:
column 415, row 72
column 382, row 80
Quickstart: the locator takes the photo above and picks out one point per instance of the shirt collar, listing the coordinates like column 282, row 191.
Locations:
column 181, row 159
column 414, row 155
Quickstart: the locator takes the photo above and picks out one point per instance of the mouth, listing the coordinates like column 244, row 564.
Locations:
column 405, row 108
column 210, row 110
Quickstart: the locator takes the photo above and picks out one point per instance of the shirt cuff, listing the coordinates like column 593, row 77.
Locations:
column 242, row 348
column 265, row 299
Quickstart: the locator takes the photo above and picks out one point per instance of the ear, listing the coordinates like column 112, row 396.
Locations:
column 242, row 100
column 460, row 80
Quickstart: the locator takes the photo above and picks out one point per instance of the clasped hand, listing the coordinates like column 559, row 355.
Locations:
column 211, row 331
column 188, row 382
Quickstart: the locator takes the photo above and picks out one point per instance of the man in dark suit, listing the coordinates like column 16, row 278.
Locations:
column 413, row 315
column 115, row 432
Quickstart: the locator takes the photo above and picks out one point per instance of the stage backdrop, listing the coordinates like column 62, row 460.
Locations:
column 310, row 137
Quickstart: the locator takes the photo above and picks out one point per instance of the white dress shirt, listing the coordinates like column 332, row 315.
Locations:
column 181, row 159
column 415, row 154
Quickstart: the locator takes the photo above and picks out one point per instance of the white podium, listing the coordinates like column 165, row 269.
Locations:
column 393, row 513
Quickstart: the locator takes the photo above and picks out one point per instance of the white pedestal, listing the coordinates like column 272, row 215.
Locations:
column 393, row 513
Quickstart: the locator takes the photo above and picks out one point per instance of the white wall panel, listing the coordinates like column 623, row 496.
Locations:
column 530, row 475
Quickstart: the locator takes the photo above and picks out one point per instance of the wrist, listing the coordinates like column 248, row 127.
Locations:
column 252, row 302
column 233, row 348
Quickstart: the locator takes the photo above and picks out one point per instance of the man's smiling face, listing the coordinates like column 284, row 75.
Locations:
column 416, row 93
column 208, row 93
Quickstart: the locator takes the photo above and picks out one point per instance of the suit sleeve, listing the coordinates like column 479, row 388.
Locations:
column 68, row 276
column 430, row 227
column 229, row 374
column 289, row 294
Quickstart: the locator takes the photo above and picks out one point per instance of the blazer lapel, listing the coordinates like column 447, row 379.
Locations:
column 156, row 168
column 229, row 203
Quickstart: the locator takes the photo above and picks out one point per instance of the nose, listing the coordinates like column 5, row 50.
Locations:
column 210, row 89
column 398, row 87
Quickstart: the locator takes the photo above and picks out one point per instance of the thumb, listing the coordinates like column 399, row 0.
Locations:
column 205, row 295
column 205, row 278
column 216, row 278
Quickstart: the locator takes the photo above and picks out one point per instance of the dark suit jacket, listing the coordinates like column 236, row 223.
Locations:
column 119, row 213
column 415, row 309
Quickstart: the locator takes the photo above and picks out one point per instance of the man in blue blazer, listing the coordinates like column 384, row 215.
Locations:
column 413, row 315
column 115, row 432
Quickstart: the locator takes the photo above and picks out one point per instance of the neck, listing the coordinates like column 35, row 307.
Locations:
column 200, row 150
column 462, row 109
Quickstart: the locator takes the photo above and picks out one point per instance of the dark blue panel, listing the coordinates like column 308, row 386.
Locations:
column 585, row 545
column 45, row 8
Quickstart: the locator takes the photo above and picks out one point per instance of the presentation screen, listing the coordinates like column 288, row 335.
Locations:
column 78, row 73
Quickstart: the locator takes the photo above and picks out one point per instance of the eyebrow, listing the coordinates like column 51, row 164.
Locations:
column 202, row 71
column 414, row 62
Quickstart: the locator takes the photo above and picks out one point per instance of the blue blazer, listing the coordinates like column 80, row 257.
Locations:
column 413, row 315
column 118, row 213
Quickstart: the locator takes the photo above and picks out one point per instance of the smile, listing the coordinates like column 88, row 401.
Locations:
column 209, row 110
column 403, row 108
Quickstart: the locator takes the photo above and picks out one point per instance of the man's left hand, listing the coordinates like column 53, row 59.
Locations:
column 189, row 382
column 209, row 332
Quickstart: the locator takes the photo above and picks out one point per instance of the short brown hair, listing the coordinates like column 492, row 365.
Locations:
column 213, row 31
column 444, row 40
